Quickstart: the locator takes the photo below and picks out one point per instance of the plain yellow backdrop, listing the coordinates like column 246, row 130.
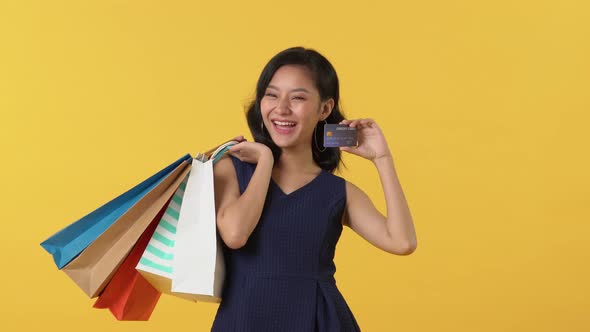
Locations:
column 484, row 105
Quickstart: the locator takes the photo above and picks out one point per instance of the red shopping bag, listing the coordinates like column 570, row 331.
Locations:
column 129, row 296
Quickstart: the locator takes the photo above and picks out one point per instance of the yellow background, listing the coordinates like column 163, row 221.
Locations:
column 484, row 105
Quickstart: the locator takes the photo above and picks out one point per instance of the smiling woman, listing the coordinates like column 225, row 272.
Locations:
column 298, row 86
column 281, row 210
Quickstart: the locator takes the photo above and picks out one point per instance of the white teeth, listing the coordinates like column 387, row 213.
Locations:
column 284, row 123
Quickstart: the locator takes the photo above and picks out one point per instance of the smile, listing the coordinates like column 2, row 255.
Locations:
column 283, row 127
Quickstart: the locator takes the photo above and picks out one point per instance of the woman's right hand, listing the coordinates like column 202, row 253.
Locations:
column 250, row 152
column 240, row 138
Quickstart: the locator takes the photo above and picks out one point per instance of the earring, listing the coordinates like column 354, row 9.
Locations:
column 315, row 137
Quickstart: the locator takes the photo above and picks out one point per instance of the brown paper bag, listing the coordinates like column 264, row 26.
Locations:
column 96, row 265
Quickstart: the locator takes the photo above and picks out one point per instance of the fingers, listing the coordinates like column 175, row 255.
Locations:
column 236, row 147
column 349, row 149
column 359, row 123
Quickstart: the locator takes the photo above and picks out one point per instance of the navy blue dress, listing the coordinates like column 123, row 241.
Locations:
column 282, row 279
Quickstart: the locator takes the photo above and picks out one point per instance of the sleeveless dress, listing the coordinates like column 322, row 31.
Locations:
column 282, row 279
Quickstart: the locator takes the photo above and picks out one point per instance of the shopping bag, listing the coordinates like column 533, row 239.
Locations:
column 190, row 219
column 155, row 264
column 70, row 241
column 198, row 267
column 96, row 264
column 128, row 295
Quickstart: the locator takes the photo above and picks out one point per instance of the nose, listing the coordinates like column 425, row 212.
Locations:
column 283, row 105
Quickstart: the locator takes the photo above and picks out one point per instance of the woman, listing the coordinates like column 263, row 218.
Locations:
column 280, row 208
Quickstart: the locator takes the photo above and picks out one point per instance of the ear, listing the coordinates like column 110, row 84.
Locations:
column 327, row 108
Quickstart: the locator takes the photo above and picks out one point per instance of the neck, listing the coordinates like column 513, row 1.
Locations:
column 296, row 159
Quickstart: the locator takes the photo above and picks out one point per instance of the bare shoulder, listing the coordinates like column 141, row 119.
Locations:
column 224, row 165
column 353, row 195
column 225, row 181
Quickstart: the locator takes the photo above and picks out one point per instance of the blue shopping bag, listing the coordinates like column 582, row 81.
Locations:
column 69, row 242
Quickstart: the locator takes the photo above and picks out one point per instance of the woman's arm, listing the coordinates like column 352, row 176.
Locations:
column 238, row 215
column 394, row 233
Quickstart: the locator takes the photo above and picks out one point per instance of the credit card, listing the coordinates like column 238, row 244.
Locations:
column 336, row 135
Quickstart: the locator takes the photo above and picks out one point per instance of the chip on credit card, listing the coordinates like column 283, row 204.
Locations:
column 336, row 135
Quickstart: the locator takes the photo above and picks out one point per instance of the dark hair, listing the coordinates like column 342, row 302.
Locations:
column 326, row 82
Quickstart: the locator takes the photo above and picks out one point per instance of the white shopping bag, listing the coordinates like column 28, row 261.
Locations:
column 198, row 267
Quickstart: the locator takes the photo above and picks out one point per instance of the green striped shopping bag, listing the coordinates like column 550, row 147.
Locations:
column 156, row 262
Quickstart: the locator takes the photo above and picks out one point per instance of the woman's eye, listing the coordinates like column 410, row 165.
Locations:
column 273, row 95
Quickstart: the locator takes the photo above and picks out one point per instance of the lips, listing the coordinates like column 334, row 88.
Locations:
column 283, row 129
column 283, row 120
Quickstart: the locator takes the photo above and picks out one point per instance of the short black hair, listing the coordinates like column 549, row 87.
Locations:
column 326, row 82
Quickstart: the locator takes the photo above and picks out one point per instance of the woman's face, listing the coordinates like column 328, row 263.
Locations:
column 292, row 97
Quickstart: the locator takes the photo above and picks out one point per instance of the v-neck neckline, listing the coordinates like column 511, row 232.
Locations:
column 300, row 189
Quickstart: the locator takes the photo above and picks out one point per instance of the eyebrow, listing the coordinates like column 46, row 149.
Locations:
column 297, row 89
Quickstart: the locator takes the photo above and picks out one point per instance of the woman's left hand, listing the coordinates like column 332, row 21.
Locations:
column 371, row 142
